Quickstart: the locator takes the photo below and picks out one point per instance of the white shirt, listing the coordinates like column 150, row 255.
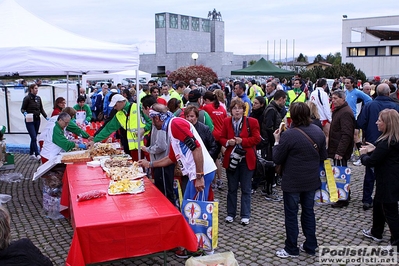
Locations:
column 324, row 106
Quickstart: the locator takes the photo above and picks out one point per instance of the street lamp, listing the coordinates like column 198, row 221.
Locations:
column 195, row 57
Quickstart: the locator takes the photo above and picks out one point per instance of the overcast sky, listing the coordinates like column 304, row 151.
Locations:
column 249, row 25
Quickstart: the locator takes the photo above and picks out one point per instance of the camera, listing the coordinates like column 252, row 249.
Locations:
column 235, row 157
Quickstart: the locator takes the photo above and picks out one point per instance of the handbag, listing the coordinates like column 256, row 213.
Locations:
column 335, row 183
column 202, row 216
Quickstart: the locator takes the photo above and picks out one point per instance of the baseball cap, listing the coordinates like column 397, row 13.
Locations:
column 116, row 98
column 377, row 78
column 194, row 95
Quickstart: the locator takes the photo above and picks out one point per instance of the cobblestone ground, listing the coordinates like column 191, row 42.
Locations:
column 254, row 244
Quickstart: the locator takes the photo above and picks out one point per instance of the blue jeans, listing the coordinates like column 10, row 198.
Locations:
column 191, row 192
column 33, row 130
column 308, row 221
column 368, row 185
column 243, row 176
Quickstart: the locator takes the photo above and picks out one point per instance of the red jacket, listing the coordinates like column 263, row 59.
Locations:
column 249, row 140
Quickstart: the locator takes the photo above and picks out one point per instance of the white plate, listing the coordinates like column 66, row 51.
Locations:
column 136, row 190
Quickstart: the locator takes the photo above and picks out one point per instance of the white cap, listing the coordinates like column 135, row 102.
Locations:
column 116, row 98
column 114, row 90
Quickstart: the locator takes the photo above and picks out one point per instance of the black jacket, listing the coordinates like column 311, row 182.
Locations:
column 300, row 160
column 23, row 253
column 207, row 138
column 32, row 104
column 385, row 161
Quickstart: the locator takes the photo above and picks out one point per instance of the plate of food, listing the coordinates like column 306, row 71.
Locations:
column 133, row 171
column 126, row 186
column 103, row 149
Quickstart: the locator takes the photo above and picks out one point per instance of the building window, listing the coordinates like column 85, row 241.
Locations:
column 367, row 51
column 395, row 50
column 195, row 24
column 361, row 51
column 184, row 23
column 352, row 52
column 371, row 51
column 381, row 51
column 159, row 20
column 206, row 25
column 173, row 21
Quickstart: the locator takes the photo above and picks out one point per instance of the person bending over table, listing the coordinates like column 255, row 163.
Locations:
column 55, row 141
column 126, row 117
column 188, row 150
column 20, row 252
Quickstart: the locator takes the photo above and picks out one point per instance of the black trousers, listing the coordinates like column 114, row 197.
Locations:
column 386, row 213
column 163, row 177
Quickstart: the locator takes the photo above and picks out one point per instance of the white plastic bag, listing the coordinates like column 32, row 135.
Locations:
column 218, row 259
column 4, row 198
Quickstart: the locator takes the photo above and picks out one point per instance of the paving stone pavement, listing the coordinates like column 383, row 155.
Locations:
column 254, row 244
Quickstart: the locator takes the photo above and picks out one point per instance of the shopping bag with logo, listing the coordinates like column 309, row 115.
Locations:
column 202, row 216
column 335, row 182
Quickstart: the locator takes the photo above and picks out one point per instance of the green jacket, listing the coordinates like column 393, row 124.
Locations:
column 85, row 108
column 60, row 140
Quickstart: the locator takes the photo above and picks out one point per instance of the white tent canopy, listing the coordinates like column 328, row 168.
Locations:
column 116, row 77
column 31, row 46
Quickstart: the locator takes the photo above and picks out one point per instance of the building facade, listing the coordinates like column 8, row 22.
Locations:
column 177, row 37
column 372, row 45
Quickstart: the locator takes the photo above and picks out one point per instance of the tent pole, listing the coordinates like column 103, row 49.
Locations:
column 138, row 115
column 67, row 87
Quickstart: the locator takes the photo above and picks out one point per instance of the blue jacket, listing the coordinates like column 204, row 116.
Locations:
column 106, row 103
column 244, row 97
column 353, row 96
column 369, row 115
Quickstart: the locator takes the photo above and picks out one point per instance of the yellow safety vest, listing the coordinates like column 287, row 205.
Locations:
column 129, row 123
column 292, row 95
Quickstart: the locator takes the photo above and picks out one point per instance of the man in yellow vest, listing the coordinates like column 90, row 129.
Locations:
column 126, row 117
column 294, row 95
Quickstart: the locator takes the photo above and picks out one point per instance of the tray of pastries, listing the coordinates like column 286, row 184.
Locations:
column 104, row 149
column 126, row 186
column 75, row 157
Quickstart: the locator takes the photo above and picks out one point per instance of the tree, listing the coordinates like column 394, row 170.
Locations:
column 319, row 58
column 335, row 71
column 335, row 59
column 252, row 62
column 193, row 72
column 302, row 58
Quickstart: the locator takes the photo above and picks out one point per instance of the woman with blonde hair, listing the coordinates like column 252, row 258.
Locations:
column 220, row 97
column 314, row 114
column 384, row 158
column 20, row 252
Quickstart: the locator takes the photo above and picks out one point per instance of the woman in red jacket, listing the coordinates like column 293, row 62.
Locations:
column 240, row 135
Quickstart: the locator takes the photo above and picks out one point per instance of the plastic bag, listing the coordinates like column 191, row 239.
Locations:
column 4, row 198
column 12, row 177
column 219, row 259
column 92, row 194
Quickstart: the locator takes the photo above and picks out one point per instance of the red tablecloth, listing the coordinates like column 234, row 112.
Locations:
column 123, row 226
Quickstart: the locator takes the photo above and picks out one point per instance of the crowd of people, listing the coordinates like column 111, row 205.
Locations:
column 197, row 129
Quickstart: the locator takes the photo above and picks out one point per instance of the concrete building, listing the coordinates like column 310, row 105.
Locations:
column 177, row 37
column 372, row 45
